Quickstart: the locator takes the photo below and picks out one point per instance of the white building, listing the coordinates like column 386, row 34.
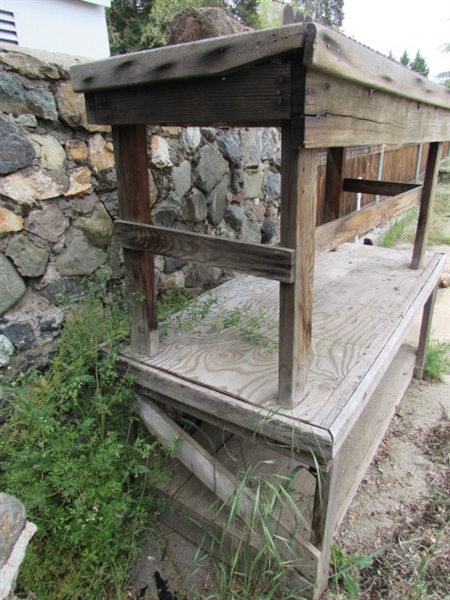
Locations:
column 76, row 27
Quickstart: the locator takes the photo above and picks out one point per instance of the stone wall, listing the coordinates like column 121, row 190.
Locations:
column 58, row 200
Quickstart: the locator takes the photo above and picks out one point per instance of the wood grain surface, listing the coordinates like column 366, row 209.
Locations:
column 255, row 259
column 202, row 58
column 364, row 299
column 337, row 112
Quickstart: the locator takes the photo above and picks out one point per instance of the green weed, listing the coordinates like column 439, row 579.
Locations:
column 345, row 569
column 75, row 454
column 400, row 229
column 438, row 360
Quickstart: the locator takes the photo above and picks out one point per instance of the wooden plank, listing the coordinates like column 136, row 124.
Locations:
column 333, row 234
column 308, row 459
column 334, row 180
column 210, row 57
column 298, row 222
column 424, row 337
column 375, row 187
column 329, row 51
column 345, row 413
column 337, row 112
column 258, row 96
column 426, row 204
column 361, row 445
column 263, row 261
column 193, row 456
column 130, row 151
column 267, row 422
column 227, row 487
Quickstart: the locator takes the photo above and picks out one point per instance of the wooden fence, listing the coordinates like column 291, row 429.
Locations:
column 402, row 163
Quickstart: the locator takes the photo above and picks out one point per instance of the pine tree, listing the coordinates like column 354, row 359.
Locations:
column 419, row 64
column 404, row 59
column 329, row 12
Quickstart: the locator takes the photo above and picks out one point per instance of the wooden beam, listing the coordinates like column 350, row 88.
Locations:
column 344, row 113
column 426, row 204
column 298, row 222
column 255, row 259
column 333, row 234
column 228, row 488
column 259, row 96
column 130, row 151
column 374, row 187
column 334, row 178
column 424, row 337
column 329, row 51
column 210, row 57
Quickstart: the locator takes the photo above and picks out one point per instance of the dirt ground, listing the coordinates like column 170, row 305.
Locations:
column 401, row 513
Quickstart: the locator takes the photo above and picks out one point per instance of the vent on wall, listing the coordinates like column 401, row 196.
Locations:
column 8, row 28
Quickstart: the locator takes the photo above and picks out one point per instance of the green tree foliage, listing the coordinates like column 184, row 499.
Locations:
column 244, row 11
column 139, row 24
column 404, row 59
column 419, row 64
column 444, row 77
column 125, row 21
column 329, row 12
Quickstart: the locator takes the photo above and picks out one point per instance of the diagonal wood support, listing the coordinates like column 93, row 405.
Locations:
column 299, row 552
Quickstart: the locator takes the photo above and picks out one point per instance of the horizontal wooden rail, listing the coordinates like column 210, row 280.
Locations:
column 270, row 262
column 382, row 188
column 333, row 234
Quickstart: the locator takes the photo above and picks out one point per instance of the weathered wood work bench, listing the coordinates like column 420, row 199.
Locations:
column 325, row 398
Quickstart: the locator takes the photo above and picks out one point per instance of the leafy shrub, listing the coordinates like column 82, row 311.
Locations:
column 75, row 454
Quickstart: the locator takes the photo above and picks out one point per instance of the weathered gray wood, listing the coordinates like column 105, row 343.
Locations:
column 426, row 204
column 333, row 234
column 298, row 222
column 374, row 187
column 329, row 51
column 210, row 57
column 193, row 456
column 344, row 413
column 256, row 96
column 130, row 151
column 424, row 337
column 337, row 112
column 308, row 459
column 334, row 179
column 267, row 422
column 255, row 259
column 360, row 447
column 228, row 488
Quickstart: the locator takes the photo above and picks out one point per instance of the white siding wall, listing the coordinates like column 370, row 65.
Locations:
column 72, row 26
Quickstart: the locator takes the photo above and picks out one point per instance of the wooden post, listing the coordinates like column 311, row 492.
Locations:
column 426, row 204
column 334, row 178
column 425, row 330
column 298, row 222
column 324, row 520
column 130, row 151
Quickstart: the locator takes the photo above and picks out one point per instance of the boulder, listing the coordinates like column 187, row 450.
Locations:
column 194, row 24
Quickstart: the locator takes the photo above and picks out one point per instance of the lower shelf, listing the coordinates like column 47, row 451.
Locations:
column 195, row 512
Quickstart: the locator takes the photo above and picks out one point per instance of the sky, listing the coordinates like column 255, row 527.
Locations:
column 400, row 25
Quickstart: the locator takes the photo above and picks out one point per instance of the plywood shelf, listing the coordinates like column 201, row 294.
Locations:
column 365, row 299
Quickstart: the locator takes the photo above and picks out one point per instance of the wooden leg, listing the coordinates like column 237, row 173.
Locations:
column 298, row 223
column 426, row 204
column 424, row 337
column 333, row 202
column 324, row 520
column 130, row 150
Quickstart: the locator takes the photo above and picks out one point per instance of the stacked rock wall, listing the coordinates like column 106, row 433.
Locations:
column 58, row 200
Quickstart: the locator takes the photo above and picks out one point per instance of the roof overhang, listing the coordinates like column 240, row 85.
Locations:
column 105, row 3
